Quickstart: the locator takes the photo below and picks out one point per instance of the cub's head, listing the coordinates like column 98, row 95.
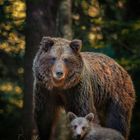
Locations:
column 58, row 63
column 79, row 126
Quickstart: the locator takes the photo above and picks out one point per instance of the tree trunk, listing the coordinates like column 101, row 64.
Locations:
column 42, row 20
column 64, row 19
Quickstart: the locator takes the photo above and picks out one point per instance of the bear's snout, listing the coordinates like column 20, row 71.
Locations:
column 78, row 136
column 58, row 76
column 58, row 72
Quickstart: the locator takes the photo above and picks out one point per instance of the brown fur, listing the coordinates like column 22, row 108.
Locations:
column 90, row 82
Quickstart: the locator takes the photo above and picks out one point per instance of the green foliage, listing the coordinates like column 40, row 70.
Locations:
column 12, row 16
column 102, row 26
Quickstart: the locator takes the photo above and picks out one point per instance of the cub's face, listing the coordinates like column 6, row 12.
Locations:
column 80, row 126
column 58, row 63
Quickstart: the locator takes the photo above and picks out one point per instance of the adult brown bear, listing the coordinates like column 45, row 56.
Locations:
column 80, row 82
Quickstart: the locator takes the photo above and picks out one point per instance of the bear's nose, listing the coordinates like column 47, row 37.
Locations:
column 78, row 136
column 59, row 74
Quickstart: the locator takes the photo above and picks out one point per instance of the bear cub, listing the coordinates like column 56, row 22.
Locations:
column 84, row 128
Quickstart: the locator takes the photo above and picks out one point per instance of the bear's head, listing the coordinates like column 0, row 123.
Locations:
column 79, row 126
column 58, row 63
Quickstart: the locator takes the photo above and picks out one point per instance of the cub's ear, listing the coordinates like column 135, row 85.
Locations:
column 76, row 45
column 71, row 116
column 90, row 117
column 46, row 43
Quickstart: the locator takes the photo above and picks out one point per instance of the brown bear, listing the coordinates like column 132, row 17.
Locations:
column 80, row 82
column 84, row 128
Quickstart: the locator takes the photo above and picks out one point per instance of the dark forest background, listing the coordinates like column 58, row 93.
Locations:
column 111, row 27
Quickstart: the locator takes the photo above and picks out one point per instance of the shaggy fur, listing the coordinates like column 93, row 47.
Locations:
column 91, row 82
column 84, row 128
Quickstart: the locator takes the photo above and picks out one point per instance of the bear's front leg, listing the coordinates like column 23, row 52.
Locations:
column 45, row 120
column 45, row 113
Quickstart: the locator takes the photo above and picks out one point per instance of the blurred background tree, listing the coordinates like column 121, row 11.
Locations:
column 107, row 26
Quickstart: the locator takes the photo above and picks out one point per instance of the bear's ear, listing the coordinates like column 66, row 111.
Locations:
column 76, row 45
column 47, row 43
column 90, row 117
column 71, row 116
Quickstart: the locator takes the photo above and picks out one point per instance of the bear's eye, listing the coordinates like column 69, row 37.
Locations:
column 75, row 126
column 66, row 60
column 83, row 128
column 53, row 59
